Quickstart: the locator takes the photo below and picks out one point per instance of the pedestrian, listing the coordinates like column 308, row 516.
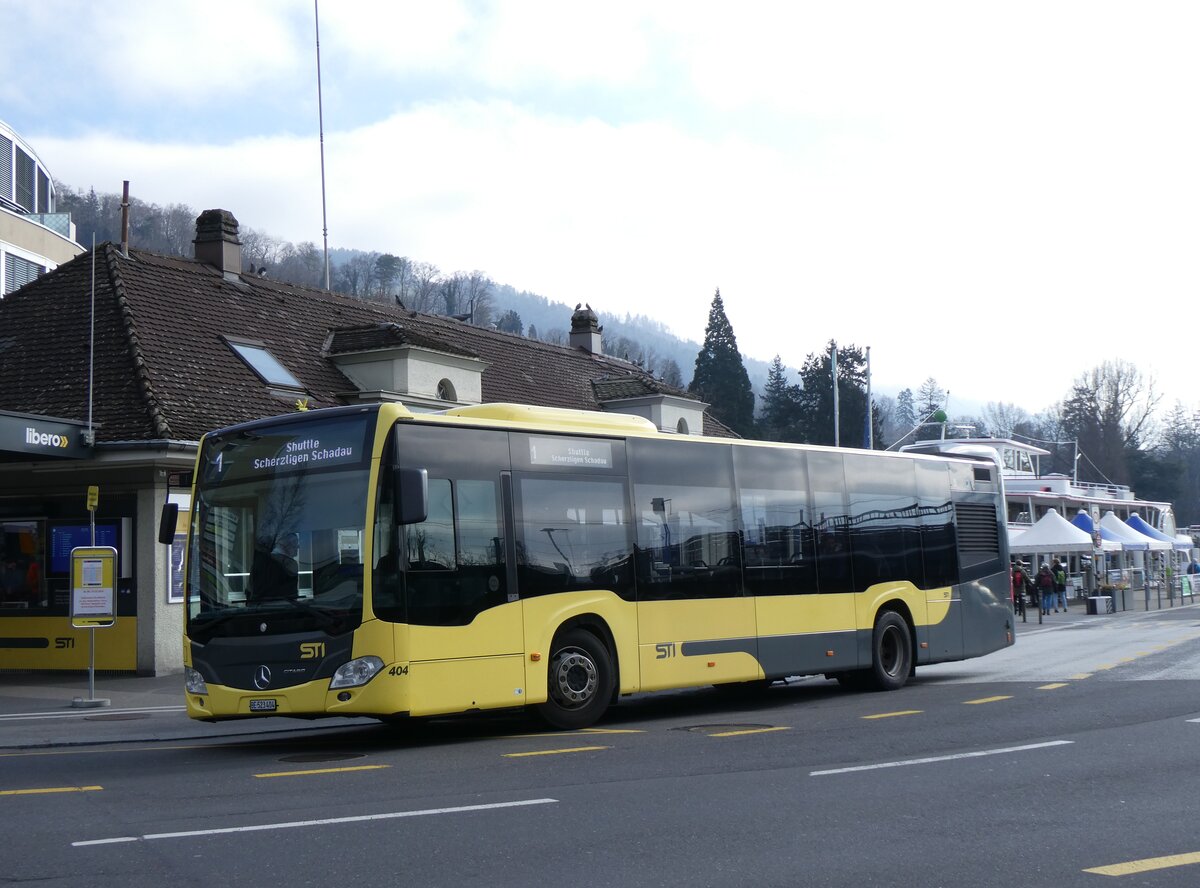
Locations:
column 1193, row 567
column 1059, row 571
column 1019, row 579
column 1045, row 587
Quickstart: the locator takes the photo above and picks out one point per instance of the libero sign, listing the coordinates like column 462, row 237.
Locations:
column 41, row 436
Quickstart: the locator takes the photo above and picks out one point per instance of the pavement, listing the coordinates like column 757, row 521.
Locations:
column 44, row 710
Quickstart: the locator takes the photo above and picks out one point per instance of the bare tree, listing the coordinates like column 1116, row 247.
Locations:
column 1003, row 419
column 1110, row 413
column 417, row 285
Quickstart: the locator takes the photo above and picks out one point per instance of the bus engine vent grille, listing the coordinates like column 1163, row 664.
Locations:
column 978, row 529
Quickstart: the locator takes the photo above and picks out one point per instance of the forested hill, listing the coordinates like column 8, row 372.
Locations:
column 388, row 277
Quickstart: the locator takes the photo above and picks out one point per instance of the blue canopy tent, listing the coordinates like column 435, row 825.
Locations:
column 1137, row 523
column 1108, row 542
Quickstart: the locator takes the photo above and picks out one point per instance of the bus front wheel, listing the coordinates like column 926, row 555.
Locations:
column 891, row 652
column 580, row 681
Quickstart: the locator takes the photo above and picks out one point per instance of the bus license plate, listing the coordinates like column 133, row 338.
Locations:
column 262, row 705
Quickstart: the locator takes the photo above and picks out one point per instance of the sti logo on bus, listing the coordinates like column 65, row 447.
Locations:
column 312, row 650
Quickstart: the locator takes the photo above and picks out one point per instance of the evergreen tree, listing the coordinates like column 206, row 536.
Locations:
column 510, row 322
column 720, row 377
column 816, row 397
column 906, row 411
column 780, row 405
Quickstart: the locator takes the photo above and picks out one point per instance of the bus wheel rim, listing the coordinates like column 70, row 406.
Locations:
column 575, row 678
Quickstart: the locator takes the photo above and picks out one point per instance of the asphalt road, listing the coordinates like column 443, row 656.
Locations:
column 1068, row 759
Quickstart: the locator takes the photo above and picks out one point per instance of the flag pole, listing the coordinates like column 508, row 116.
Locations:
column 870, row 412
column 837, row 436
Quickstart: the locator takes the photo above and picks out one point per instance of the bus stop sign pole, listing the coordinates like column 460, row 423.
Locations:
column 93, row 596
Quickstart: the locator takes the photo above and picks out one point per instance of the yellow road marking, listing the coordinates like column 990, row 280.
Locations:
column 1054, row 686
column 8, row 792
column 1081, row 676
column 585, row 732
column 1105, row 667
column 323, row 771
column 748, row 731
column 554, row 751
column 987, row 700
column 1128, row 659
column 894, row 714
column 1146, row 865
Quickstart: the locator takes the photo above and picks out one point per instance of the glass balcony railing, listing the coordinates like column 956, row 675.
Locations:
column 60, row 223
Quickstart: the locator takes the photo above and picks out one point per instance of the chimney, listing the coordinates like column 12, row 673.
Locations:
column 217, row 242
column 586, row 330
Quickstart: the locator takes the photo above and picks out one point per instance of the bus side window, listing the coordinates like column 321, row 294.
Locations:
column 778, row 541
column 688, row 535
column 572, row 533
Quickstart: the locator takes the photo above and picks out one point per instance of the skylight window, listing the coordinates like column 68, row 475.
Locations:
column 264, row 364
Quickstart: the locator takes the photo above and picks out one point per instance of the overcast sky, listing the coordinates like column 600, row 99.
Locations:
column 998, row 195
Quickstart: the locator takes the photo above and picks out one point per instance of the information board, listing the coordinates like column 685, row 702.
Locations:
column 93, row 587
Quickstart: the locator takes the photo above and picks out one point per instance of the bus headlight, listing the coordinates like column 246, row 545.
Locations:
column 355, row 673
column 193, row 681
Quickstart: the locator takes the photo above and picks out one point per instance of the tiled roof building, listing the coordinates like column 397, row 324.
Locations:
column 146, row 353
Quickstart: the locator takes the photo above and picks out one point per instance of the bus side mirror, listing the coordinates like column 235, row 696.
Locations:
column 168, row 522
column 410, row 493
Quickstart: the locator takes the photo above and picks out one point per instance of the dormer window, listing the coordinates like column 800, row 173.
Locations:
column 263, row 363
column 445, row 391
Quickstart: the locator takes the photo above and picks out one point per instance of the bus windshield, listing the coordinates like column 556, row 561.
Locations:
column 278, row 530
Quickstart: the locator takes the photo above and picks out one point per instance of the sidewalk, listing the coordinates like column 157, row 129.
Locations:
column 39, row 710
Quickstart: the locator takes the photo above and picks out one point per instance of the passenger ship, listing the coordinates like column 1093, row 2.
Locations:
column 1029, row 495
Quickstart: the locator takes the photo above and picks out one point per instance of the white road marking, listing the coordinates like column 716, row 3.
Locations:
column 941, row 758
column 324, row 822
column 90, row 713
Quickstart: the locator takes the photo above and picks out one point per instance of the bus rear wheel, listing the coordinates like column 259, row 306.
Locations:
column 580, row 681
column 891, row 652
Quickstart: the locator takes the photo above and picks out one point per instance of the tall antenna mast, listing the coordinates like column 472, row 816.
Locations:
column 321, row 126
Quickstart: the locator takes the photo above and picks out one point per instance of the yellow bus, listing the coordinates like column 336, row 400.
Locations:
column 370, row 561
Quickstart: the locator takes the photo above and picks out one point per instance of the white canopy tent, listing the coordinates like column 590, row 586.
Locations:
column 1130, row 539
column 1052, row 535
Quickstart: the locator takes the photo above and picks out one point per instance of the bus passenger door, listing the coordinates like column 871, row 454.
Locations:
column 465, row 638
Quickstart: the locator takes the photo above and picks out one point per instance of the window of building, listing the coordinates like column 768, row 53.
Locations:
column 262, row 362
column 445, row 391
column 25, row 180
column 6, row 169
column 18, row 272
column 681, row 427
column 44, row 203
